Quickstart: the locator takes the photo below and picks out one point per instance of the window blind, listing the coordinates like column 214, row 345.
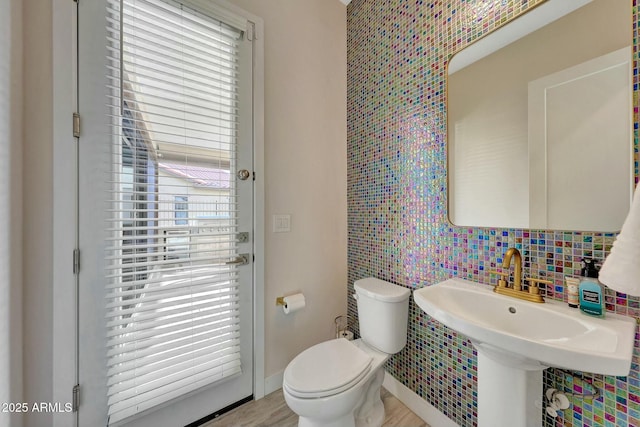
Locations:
column 172, row 300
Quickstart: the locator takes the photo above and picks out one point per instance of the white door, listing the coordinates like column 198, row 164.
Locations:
column 580, row 130
column 165, row 211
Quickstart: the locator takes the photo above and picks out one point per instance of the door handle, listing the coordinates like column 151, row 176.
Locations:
column 244, row 174
column 241, row 259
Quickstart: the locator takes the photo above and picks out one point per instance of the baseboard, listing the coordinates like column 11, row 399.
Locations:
column 430, row 414
column 273, row 383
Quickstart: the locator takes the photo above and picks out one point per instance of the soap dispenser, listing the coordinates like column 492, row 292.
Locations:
column 590, row 290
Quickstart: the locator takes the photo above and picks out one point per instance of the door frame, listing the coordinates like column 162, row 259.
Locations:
column 64, row 327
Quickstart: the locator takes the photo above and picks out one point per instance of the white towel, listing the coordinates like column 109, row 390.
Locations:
column 621, row 269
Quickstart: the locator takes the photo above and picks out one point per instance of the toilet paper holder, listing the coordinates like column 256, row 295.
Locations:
column 342, row 324
column 291, row 303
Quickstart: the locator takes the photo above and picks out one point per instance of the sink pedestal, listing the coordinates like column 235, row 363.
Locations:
column 508, row 388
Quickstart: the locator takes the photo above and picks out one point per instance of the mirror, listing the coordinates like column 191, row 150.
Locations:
column 540, row 125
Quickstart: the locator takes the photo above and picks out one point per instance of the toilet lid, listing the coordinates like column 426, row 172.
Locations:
column 326, row 368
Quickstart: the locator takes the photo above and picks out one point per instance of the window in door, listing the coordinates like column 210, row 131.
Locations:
column 172, row 306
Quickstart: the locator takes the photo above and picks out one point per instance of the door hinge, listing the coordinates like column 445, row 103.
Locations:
column 251, row 31
column 75, row 398
column 76, row 125
column 76, row 261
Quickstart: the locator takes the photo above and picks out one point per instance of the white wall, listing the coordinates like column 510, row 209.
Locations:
column 37, row 199
column 306, row 169
column 10, row 208
column 305, row 163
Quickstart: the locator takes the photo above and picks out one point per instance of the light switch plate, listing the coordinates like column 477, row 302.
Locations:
column 281, row 223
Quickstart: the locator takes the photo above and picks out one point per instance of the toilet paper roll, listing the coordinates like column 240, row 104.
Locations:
column 345, row 334
column 293, row 303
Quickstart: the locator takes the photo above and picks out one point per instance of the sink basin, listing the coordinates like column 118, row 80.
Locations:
column 531, row 336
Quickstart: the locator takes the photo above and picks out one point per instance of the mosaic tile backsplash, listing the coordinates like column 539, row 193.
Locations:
column 397, row 196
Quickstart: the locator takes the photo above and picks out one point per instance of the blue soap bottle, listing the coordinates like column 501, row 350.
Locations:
column 590, row 290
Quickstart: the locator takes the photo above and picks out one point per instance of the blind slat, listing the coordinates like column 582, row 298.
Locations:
column 126, row 328
column 160, row 370
column 211, row 20
column 116, row 290
column 180, row 247
column 220, row 332
column 167, row 350
column 127, row 407
column 210, row 260
column 198, row 119
column 156, row 301
column 149, row 337
column 173, row 375
column 125, row 178
column 176, row 46
column 228, row 109
column 153, row 61
column 151, row 228
column 169, row 269
column 195, row 141
column 158, row 68
column 178, row 313
column 174, row 351
column 198, row 240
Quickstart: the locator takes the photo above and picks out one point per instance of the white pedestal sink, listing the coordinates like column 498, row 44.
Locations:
column 516, row 340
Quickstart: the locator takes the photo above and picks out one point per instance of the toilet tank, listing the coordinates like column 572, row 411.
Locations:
column 383, row 310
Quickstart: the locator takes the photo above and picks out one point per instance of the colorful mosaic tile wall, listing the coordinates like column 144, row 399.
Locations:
column 398, row 228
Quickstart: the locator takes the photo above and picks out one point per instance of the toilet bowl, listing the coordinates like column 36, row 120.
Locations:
column 337, row 383
column 327, row 382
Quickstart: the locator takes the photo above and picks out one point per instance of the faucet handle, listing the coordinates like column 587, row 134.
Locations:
column 500, row 273
column 502, row 283
column 533, row 284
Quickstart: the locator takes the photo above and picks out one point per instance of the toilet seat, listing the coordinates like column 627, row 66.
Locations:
column 326, row 369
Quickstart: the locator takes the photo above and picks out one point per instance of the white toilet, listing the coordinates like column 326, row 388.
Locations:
column 337, row 383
